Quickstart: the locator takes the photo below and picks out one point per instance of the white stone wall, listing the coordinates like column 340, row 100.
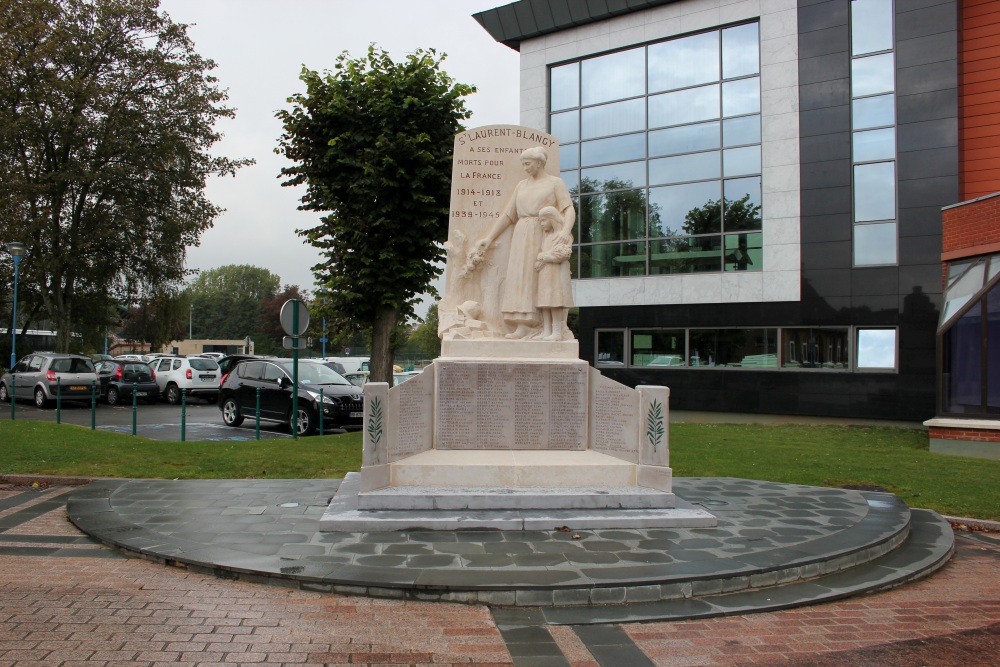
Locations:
column 780, row 280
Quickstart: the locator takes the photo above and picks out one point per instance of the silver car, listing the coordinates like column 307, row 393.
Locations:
column 43, row 375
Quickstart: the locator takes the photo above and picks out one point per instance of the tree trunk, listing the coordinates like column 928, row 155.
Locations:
column 381, row 359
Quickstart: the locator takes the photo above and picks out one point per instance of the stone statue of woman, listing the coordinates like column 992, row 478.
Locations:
column 519, row 302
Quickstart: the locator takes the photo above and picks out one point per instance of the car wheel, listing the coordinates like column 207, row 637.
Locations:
column 41, row 400
column 306, row 422
column 4, row 396
column 112, row 396
column 231, row 413
column 173, row 394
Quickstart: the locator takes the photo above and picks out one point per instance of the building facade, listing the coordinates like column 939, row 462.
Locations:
column 759, row 187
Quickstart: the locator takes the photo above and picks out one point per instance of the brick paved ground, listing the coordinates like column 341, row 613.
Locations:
column 81, row 609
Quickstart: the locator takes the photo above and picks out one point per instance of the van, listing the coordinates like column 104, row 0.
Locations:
column 350, row 364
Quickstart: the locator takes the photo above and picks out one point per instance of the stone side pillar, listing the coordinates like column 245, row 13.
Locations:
column 654, row 438
column 375, row 437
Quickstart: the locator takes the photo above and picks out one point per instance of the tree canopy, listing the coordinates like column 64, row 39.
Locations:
column 228, row 301
column 107, row 119
column 372, row 141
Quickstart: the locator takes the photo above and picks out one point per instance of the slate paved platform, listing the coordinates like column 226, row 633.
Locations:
column 768, row 534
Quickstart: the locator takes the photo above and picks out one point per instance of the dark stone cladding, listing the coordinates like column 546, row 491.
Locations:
column 524, row 19
column 833, row 292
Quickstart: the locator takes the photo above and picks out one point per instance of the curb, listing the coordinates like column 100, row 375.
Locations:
column 979, row 525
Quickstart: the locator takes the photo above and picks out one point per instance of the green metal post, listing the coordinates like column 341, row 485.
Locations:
column 295, row 374
column 93, row 404
column 183, row 414
column 256, row 418
column 59, row 400
column 321, row 406
column 13, row 394
column 134, row 407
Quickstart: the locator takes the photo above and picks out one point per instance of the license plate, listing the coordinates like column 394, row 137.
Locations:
column 78, row 387
column 355, row 415
column 208, row 378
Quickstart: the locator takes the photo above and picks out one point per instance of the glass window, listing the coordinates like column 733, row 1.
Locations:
column 614, row 177
column 742, row 130
column 611, row 348
column 684, row 106
column 960, row 292
column 684, row 62
column 35, row 364
column 694, row 254
column 875, row 145
column 993, row 350
column 658, row 348
column 613, row 77
column 692, row 167
column 694, row 208
column 740, row 51
column 572, row 181
column 814, row 348
column 748, row 348
column 684, row 139
column 876, row 348
column 569, row 156
column 740, row 161
column 744, row 252
column 615, row 149
column 875, row 244
column 872, row 75
column 616, row 216
column 962, row 372
column 177, row 364
column 612, row 260
column 742, row 203
column 618, row 118
column 565, row 86
column 741, row 97
column 874, row 191
column 874, row 112
column 566, row 126
column 871, row 26
column 251, row 370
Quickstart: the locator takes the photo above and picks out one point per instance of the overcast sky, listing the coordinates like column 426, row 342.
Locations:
column 261, row 46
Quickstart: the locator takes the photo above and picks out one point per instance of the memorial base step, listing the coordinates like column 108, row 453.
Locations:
column 344, row 515
column 514, row 498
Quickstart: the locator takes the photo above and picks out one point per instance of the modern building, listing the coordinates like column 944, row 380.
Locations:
column 760, row 185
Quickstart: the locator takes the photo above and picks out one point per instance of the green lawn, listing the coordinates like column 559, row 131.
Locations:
column 891, row 458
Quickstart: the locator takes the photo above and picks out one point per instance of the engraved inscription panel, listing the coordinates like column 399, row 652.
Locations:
column 614, row 419
column 496, row 405
column 413, row 405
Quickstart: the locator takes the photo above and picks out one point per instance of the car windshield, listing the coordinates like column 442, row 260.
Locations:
column 204, row 364
column 72, row 366
column 310, row 373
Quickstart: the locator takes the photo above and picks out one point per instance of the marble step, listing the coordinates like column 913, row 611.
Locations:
column 514, row 498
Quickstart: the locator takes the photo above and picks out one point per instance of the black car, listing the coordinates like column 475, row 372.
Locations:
column 118, row 378
column 226, row 364
column 343, row 403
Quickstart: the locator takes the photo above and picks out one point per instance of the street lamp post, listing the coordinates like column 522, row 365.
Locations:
column 191, row 323
column 16, row 250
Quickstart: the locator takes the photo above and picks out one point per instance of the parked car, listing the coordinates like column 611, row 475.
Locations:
column 198, row 375
column 144, row 358
column 226, row 363
column 211, row 355
column 343, row 403
column 41, row 375
column 118, row 378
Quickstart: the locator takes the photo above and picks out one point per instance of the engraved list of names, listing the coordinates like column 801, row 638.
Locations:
column 495, row 405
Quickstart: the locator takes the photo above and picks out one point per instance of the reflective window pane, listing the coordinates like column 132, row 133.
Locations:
column 741, row 97
column 612, row 260
column 740, row 51
column 876, row 348
column 657, row 347
column 753, row 348
column 614, row 177
column 564, row 86
column 875, row 244
column 993, row 349
column 744, row 252
column 684, row 139
column 610, row 348
column 569, row 156
column 684, row 106
column 616, row 118
column 874, row 191
column 684, row 62
column 700, row 254
column 616, row 216
column 873, row 112
column 742, row 130
column 814, row 348
column 963, row 289
column 572, row 181
column 695, row 208
column 875, row 145
column 612, row 77
column 691, row 167
column 871, row 26
column 962, row 363
column 740, row 161
column 615, row 149
column 566, row 126
column 742, row 205
column 872, row 75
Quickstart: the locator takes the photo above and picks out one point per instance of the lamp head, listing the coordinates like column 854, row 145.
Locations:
column 16, row 248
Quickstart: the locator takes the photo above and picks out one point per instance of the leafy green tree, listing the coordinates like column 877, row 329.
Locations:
column 107, row 119
column 227, row 301
column 372, row 141
column 424, row 338
column 159, row 318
